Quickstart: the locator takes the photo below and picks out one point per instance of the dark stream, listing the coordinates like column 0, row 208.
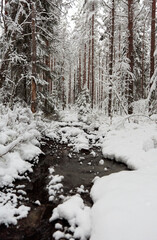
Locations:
column 77, row 168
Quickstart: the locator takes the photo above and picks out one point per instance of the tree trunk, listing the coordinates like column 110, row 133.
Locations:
column 84, row 72
column 69, row 97
column 152, row 38
column 93, row 82
column 74, row 95
column 79, row 83
column 143, row 60
column 111, row 62
column 130, row 55
column 47, row 62
column 33, row 86
column 152, row 50
column 102, row 82
column 89, row 63
column 99, row 84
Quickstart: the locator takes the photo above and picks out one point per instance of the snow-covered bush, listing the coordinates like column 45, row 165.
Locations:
column 19, row 140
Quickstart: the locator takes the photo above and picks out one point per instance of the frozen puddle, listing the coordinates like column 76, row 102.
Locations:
column 61, row 174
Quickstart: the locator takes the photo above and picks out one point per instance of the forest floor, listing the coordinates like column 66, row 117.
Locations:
column 78, row 169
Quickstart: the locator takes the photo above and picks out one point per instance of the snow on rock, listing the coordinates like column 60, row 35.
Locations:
column 75, row 136
column 9, row 210
column 54, row 186
column 77, row 215
column 81, row 142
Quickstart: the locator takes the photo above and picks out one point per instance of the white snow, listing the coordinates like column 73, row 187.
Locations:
column 101, row 162
column 77, row 214
column 37, row 202
column 9, row 210
column 135, row 145
column 18, row 139
column 54, row 186
column 125, row 203
column 125, row 206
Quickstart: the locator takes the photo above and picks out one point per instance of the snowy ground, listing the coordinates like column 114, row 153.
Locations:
column 124, row 203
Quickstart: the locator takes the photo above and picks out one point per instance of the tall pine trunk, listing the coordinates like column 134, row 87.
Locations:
column 70, row 93
column 84, row 71
column 152, row 49
column 130, row 55
column 111, row 61
column 93, row 82
column 89, row 63
column 79, row 79
column 143, row 64
column 152, row 38
column 33, row 84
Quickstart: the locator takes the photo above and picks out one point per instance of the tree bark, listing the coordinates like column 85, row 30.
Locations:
column 93, row 82
column 130, row 55
column 79, row 83
column 69, row 98
column 111, row 61
column 84, row 72
column 143, row 61
column 152, row 38
column 33, row 85
column 47, row 62
column 89, row 63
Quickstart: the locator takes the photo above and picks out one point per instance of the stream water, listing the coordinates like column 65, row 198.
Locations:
column 77, row 168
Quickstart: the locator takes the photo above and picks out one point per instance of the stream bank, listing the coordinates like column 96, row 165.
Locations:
column 78, row 169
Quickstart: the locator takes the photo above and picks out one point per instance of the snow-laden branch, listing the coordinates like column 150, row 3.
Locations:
column 6, row 149
column 121, row 123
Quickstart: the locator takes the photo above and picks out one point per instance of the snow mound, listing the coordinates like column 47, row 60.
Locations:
column 125, row 206
column 77, row 215
column 134, row 145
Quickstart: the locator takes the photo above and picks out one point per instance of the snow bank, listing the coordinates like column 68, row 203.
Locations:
column 125, row 203
column 19, row 141
column 125, row 206
column 134, row 145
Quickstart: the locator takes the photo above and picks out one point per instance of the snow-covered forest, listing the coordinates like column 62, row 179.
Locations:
column 78, row 120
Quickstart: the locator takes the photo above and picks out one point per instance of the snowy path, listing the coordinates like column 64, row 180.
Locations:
column 78, row 170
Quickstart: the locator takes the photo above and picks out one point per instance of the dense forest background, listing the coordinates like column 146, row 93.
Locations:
column 93, row 53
